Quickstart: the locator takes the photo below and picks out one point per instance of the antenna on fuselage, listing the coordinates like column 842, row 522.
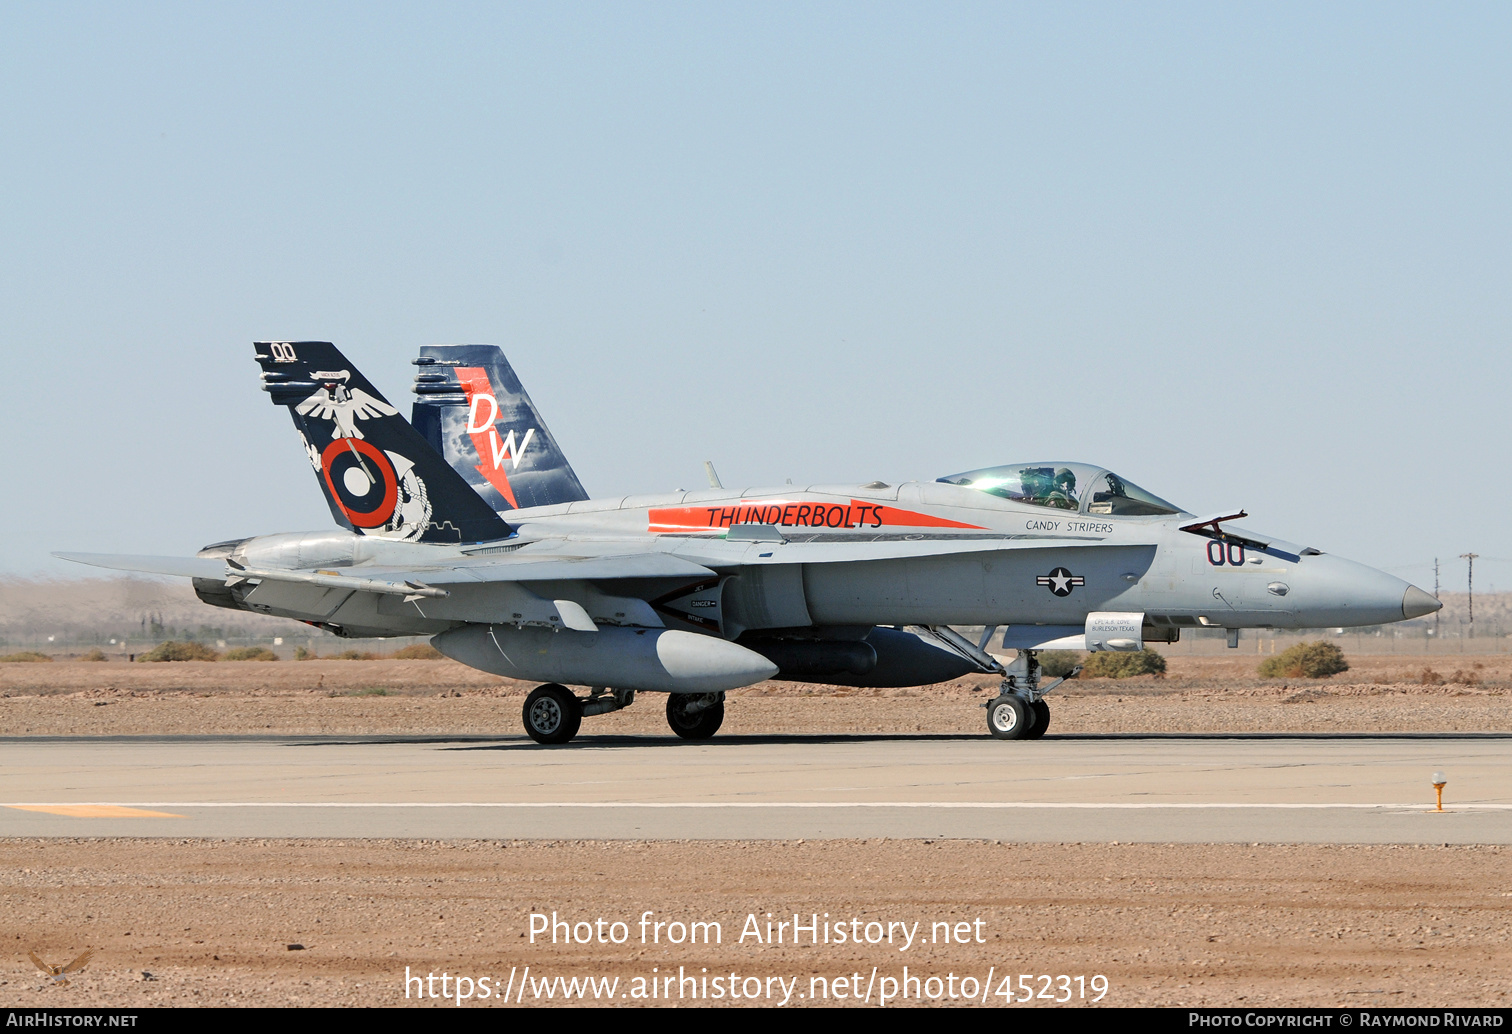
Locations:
column 713, row 477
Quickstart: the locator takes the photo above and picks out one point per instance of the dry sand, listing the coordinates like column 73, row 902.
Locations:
column 1210, row 694
column 211, row 921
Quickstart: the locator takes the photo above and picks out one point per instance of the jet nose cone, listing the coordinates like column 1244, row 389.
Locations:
column 1416, row 603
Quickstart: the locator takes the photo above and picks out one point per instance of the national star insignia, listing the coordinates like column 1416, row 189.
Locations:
column 1060, row 581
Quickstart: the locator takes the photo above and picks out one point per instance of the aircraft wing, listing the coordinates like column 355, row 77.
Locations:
column 692, row 559
column 593, row 561
column 544, row 569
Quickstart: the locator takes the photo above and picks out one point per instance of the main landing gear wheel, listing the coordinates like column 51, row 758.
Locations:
column 1041, row 720
column 1010, row 717
column 552, row 714
column 693, row 724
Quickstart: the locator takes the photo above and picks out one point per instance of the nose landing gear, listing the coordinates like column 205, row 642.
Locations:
column 1009, row 717
column 1041, row 719
column 1019, row 711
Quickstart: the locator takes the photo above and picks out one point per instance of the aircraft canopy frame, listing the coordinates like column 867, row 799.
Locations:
column 1071, row 487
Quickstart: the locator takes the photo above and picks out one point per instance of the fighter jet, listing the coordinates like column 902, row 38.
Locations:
column 470, row 527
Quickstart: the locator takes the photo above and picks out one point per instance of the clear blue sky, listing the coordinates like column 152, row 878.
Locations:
column 1247, row 255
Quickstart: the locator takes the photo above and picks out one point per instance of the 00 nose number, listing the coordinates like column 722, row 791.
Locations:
column 1220, row 553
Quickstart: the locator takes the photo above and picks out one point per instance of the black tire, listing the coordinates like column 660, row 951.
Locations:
column 697, row 726
column 552, row 714
column 1010, row 718
column 1041, row 720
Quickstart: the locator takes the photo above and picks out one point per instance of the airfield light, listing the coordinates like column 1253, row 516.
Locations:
column 1438, row 787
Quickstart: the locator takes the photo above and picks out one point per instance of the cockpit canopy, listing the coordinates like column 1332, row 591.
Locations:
column 1078, row 487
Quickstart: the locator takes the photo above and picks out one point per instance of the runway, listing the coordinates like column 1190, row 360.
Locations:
column 1195, row 788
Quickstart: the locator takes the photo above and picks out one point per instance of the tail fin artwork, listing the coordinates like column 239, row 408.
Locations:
column 379, row 476
column 474, row 412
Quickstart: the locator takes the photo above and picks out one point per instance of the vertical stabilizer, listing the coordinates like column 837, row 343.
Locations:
column 379, row 476
column 472, row 409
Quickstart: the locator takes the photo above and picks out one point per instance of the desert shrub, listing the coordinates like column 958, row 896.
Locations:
column 175, row 651
column 418, row 652
column 1108, row 664
column 1316, row 660
column 96, row 654
column 25, row 657
column 1055, row 663
column 1429, row 677
column 250, row 653
column 1465, row 678
column 302, row 654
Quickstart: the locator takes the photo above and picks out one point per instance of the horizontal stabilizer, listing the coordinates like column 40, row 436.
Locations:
column 234, row 573
column 417, row 580
column 177, row 566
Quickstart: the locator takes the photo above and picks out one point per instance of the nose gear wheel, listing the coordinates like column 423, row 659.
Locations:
column 1041, row 720
column 1010, row 717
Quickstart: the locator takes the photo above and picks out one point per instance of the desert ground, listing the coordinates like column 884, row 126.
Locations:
column 1197, row 694
column 210, row 922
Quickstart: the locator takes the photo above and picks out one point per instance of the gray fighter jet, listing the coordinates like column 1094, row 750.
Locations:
column 470, row 527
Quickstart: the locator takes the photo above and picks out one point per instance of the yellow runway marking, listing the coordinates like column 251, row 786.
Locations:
column 95, row 811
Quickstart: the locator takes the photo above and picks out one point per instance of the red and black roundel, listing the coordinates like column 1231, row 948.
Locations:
column 361, row 480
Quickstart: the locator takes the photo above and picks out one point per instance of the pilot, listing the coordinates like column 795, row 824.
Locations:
column 1062, row 492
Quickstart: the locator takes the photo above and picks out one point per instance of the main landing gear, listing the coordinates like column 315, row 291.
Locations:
column 1019, row 711
column 552, row 714
column 695, row 716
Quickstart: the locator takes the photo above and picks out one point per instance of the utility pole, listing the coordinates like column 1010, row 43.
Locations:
column 1470, row 587
column 1436, row 596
